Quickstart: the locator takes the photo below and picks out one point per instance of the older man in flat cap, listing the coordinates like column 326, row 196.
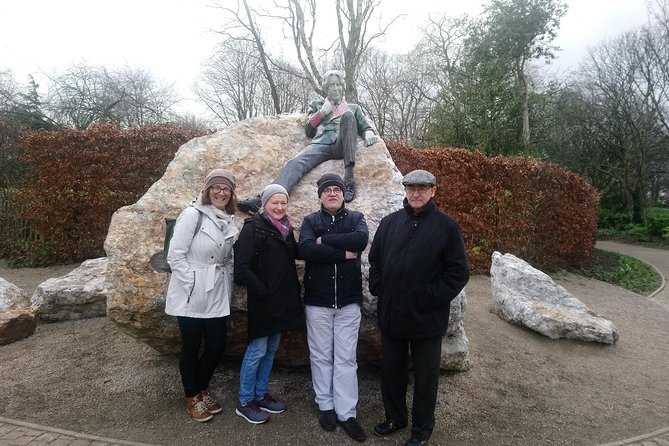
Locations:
column 418, row 265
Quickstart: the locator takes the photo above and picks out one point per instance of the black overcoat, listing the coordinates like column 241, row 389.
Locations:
column 417, row 266
column 265, row 263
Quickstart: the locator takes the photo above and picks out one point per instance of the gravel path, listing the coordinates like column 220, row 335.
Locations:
column 523, row 389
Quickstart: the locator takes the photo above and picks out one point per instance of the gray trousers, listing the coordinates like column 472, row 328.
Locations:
column 332, row 335
column 314, row 154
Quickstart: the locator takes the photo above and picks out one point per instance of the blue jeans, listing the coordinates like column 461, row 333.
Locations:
column 256, row 367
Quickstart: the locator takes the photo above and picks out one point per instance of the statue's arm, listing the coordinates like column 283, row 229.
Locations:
column 365, row 128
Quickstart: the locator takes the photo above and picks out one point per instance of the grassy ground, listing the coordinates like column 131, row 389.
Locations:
column 622, row 270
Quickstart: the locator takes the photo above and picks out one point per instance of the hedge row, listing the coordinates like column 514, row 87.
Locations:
column 539, row 212
column 78, row 180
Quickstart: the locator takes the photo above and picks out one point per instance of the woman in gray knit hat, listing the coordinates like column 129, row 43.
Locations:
column 265, row 263
column 200, row 288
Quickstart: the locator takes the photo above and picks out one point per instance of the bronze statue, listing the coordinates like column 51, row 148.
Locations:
column 334, row 126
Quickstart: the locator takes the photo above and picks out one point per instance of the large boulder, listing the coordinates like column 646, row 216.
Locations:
column 17, row 319
column 78, row 295
column 526, row 296
column 255, row 150
column 12, row 297
column 17, row 324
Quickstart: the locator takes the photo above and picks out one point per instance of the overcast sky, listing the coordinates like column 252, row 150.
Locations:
column 171, row 38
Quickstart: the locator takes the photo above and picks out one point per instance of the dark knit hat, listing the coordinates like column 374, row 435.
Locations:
column 218, row 176
column 271, row 190
column 329, row 179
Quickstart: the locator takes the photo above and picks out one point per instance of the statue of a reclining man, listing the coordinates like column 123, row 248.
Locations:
column 334, row 126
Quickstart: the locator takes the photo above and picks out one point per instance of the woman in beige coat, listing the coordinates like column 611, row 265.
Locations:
column 201, row 287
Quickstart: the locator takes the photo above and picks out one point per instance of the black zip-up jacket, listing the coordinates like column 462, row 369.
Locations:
column 329, row 279
column 417, row 266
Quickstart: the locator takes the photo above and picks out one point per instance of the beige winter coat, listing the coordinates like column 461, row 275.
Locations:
column 201, row 284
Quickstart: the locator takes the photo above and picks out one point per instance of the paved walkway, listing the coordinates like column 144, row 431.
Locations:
column 19, row 433
column 658, row 259
column 15, row 433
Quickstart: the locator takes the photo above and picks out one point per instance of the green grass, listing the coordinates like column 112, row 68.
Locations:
column 622, row 270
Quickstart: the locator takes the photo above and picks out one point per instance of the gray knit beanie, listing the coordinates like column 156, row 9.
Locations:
column 270, row 190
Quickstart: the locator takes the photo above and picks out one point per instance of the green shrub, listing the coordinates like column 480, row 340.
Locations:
column 622, row 270
column 657, row 220
column 613, row 219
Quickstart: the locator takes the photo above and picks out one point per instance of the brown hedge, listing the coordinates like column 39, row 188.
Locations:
column 80, row 178
column 537, row 211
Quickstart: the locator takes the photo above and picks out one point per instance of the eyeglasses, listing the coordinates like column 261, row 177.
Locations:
column 331, row 190
column 420, row 188
column 219, row 189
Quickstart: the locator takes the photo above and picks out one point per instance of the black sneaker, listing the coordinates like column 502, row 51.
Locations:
column 353, row 429
column 388, row 427
column 328, row 420
column 413, row 441
column 349, row 191
column 250, row 205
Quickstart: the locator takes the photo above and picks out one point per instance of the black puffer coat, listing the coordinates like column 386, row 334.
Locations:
column 265, row 263
column 330, row 280
column 417, row 266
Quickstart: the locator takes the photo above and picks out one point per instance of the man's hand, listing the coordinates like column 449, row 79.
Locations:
column 326, row 109
column 371, row 138
column 351, row 255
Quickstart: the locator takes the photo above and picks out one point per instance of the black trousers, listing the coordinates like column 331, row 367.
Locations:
column 426, row 356
column 197, row 370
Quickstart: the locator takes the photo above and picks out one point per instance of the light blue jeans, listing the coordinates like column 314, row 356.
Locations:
column 256, row 367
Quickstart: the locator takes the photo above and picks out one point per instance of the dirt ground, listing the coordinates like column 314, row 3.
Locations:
column 523, row 389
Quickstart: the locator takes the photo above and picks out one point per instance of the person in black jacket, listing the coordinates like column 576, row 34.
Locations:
column 265, row 263
column 418, row 265
column 331, row 242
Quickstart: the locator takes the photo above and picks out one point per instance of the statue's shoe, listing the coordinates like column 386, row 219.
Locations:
column 349, row 191
column 250, row 205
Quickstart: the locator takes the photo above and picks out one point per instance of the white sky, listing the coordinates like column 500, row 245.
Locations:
column 171, row 38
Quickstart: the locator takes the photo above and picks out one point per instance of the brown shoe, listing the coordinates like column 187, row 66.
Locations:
column 197, row 409
column 212, row 405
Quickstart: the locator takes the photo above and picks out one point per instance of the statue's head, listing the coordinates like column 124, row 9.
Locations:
column 334, row 84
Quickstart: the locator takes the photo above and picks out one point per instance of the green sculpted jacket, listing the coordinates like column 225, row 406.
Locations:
column 328, row 130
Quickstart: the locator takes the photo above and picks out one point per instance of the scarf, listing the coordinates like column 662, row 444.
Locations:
column 338, row 109
column 282, row 225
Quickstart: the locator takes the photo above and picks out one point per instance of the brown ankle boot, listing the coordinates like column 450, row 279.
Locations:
column 197, row 409
column 212, row 405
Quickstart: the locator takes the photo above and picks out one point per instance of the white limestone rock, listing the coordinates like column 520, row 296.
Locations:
column 526, row 296
column 255, row 150
column 17, row 324
column 455, row 345
column 78, row 295
column 12, row 297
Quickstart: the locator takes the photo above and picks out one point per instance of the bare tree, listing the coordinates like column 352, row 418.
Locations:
column 397, row 94
column 85, row 94
column 243, row 17
column 230, row 83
